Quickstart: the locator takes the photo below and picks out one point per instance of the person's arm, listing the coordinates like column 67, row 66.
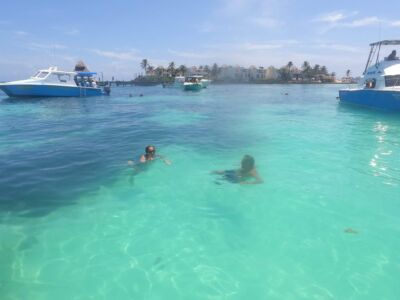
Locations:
column 142, row 159
column 218, row 172
column 165, row 160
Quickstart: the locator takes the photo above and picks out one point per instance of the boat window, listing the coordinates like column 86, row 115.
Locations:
column 64, row 77
column 42, row 74
column 392, row 80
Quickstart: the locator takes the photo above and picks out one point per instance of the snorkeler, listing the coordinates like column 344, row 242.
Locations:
column 150, row 155
column 241, row 176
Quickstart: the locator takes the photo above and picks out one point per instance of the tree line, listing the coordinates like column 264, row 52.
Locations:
column 289, row 72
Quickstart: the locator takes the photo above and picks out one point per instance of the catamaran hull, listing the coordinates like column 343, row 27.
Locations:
column 381, row 99
column 193, row 87
column 49, row 91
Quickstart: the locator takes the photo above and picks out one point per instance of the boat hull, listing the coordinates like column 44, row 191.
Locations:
column 21, row 90
column 381, row 99
column 193, row 87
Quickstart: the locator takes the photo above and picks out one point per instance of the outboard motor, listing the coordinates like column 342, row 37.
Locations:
column 107, row 90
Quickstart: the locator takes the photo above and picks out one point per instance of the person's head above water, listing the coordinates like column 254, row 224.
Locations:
column 150, row 151
column 247, row 163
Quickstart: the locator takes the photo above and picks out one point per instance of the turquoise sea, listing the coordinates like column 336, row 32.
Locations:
column 77, row 223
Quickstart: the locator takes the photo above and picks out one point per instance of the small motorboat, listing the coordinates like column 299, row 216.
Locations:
column 379, row 87
column 55, row 83
column 192, row 83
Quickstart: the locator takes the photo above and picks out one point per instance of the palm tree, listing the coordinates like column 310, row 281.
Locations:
column 150, row 69
column 348, row 73
column 306, row 69
column 289, row 66
column 182, row 69
column 159, row 71
column 171, row 68
column 144, row 64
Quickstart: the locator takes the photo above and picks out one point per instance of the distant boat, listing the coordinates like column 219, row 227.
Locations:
column 379, row 87
column 54, row 83
column 192, row 83
column 204, row 81
column 177, row 83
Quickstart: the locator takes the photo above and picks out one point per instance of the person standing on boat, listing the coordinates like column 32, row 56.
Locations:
column 392, row 56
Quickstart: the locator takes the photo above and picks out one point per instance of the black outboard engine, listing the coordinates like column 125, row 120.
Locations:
column 107, row 90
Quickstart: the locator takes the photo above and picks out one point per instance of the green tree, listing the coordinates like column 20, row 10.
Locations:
column 324, row 70
column 306, row 69
column 289, row 66
column 150, row 69
column 206, row 69
column 214, row 70
column 159, row 71
column 284, row 73
column 171, row 68
column 182, row 70
column 144, row 64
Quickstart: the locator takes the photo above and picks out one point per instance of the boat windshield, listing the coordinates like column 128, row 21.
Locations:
column 41, row 74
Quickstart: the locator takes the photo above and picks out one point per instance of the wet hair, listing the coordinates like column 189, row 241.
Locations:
column 247, row 163
column 148, row 152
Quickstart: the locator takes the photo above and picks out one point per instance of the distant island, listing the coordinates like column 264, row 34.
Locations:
column 238, row 74
column 288, row 74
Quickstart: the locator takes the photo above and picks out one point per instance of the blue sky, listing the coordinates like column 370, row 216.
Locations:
column 114, row 36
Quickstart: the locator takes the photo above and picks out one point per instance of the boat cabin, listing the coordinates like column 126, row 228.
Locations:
column 382, row 73
column 54, row 76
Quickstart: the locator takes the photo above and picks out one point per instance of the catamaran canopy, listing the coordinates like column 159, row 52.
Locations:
column 386, row 42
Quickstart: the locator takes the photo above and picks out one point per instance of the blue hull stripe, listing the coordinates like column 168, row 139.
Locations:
column 49, row 91
column 386, row 100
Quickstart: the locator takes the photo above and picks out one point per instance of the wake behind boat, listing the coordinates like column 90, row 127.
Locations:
column 379, row 87
column 55, row 83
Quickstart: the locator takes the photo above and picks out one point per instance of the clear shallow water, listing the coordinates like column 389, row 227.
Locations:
column 76, row 224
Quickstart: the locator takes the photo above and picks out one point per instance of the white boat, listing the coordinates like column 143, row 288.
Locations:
column 379, row 87
column 192, row 83
column 54, row 83
column 204, row 81
column 178, row 82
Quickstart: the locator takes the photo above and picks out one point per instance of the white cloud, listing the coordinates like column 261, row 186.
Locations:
column 363, row 22
column 395, row 23
column 343, row 19
column 331, row 17
column 46, row 46
column 124, row 55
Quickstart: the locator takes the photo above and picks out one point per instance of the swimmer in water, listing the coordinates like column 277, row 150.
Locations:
column 150, row 155
column 247, row 171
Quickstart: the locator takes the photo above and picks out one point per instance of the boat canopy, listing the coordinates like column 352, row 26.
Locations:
column 86, row 73
column 375, row 52
column 386, row 42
